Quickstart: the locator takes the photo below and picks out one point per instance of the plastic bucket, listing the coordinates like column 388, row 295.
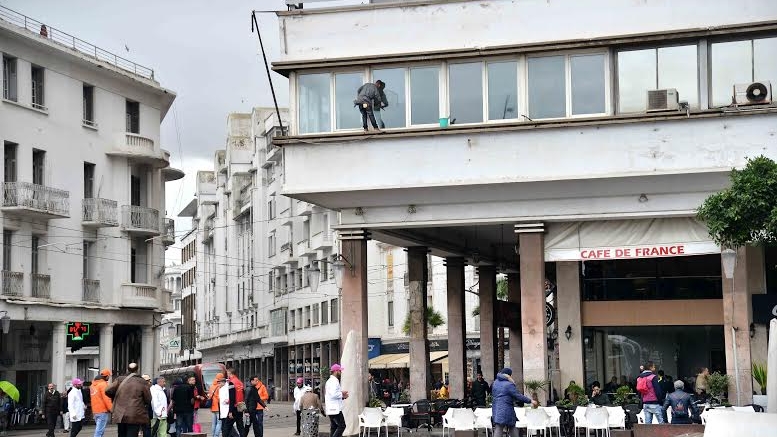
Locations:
column 444, row 122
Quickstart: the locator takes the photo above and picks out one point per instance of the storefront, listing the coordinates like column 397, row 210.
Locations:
column 309, row 361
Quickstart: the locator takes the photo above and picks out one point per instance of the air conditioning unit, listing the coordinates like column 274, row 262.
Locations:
column 663, row 100
column 756, row 93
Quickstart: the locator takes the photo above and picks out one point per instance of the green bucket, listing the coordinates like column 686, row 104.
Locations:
column 444, row 122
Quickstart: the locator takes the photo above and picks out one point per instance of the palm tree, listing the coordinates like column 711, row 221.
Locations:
column 501, row 294
column 433, row 320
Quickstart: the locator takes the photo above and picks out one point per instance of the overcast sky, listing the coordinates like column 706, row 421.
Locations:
column 201, row 49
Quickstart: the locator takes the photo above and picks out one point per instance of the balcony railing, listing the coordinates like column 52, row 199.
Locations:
column 13, row 283
column 102, row 212
column 91, row 290
column 38, row 198
column 168, row 231
column 140, row 218
column 137, row 144
column 41, row 285
column 139, row 296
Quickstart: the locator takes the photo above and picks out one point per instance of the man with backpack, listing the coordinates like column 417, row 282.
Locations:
column 649, row 389
column 683, row 408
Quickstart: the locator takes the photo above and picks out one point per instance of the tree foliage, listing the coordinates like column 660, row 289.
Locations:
column 501, row 294
column 746, row 212
column 433, row 319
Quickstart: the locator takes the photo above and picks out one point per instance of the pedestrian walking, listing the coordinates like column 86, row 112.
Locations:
column 101, row 404
column 240, row 404
column 213, row 395
column 480, row 390
column 52, row 407
column 183, row 407
column 227, row 407
column 650, row 390
column 310, row 405
column 299, row 390
column 131, row 397
column 159, row 404
column 334, row 396
column 256, row 402
column 147, row 426
column 505, row 394
column 76, row 407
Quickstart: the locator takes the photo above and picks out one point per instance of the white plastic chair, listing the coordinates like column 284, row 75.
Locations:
column 520, row 414
column 554, row 419
column 668, row 414
column 536, row 421
column 463, row 420
column 597, row 419
column 483, row 419
column 393, row 417
column 371, row 418
column 579, row 417
column 616, row 418
column 641, row 416
column 447, row 420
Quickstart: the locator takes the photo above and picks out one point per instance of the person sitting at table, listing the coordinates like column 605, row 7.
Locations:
column 612, row 386
column 598, row 397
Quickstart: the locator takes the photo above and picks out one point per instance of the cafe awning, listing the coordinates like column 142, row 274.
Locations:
column 401, row 361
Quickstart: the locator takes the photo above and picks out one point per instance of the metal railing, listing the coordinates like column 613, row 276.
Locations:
column 13, row 283
column 99, row 211
column 41, row 285
column 72, row 42
column 91, row 290
column 37, row 197
column 140, row 217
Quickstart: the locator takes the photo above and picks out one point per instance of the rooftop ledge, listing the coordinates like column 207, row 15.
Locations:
column 336, row 137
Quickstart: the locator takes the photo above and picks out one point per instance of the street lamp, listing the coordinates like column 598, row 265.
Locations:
column 338, row 268
column 5, row 322
column 729, row 260
column 729, row 257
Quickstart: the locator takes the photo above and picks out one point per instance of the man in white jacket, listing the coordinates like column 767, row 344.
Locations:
column 334, row 397
column 76, row 407
column 159, row 406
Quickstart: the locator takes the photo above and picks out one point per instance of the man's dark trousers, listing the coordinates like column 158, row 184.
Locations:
column 367, row 113
column 51, row 421
column 336, row 425
column 257, row 421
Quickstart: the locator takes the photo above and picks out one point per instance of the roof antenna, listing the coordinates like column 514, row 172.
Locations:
column 255, row 26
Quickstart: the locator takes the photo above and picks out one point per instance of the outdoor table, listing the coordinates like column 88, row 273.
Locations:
column 405, row 417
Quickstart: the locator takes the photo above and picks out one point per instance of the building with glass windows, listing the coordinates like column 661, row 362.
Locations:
column 562, row 143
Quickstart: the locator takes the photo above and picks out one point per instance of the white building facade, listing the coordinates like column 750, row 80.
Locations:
column 171, row 326
column 84, row 190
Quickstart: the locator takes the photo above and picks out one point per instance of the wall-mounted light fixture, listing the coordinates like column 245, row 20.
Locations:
column 5, row 322
column 338, row 268
column 643, row 198
column 568, row 332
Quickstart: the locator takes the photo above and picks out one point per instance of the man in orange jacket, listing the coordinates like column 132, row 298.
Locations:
column 101, row 403
column 256, row 402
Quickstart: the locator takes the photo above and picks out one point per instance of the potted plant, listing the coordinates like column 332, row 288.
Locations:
column 717, row 384
column 576, row 394
column 623, row 396
column 533, row 386
column 759, row 375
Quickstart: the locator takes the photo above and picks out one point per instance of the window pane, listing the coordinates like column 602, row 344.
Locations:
column 394, row 78
column 466, row 92
column 346, row 114
column 636, row 75
column 765, row 61
column 731, row 64
column 425, row 95
column 547, row 87
column 587, row 84
column 314, row 101
column 502, row 90
column 678, row 68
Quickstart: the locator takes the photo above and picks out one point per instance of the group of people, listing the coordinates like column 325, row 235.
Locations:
column 386, row 391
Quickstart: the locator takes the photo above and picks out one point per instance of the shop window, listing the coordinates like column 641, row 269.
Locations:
column 738, row 62
column 396, row 113
column 314, row 103
column 657, row 68
column 425, row 95
column 346, row 85
column 502, row 90
column 465, row 84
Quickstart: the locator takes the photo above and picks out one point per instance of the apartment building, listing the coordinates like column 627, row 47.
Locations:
column 171, row 325
column 83, row 196
column 561, row 143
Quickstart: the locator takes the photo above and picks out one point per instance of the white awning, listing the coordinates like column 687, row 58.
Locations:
column 627, row 239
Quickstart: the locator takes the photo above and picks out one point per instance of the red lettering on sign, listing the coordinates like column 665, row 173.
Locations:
column 637, row 252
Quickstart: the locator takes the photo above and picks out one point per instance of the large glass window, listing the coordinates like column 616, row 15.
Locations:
column 740, row 62
column 587, row 83
column 547, row 87
column 466, row 92
column 659, row 68
column 394, row 78
column 425, row 95
column 314, row 103
column 346, row 115
column 502, row 90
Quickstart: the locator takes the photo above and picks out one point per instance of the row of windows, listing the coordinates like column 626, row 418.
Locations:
column 189, row 277
column 189, row 251
column 314, row 315
column 536, row 86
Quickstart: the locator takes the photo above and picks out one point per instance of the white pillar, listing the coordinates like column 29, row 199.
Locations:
column 106, row 347
column 58, row 355
column 147, row 350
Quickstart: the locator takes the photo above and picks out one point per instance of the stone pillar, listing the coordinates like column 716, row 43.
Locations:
column 354, row 320
column 457, row 328
column 736, row 322
column 58, row 355
column 487, row 293
column 516, row 348
column 532, row 267
column 418, row 275
column 570, row 353
column 147, row 350
column 106, row 347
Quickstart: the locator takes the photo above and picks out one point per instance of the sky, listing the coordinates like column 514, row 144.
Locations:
column 201, row 49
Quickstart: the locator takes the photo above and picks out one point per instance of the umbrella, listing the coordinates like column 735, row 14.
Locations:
column 10, row 390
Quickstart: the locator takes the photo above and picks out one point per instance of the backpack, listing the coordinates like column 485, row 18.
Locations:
column 643, row 384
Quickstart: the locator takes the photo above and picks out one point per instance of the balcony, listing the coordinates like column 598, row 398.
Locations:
column 91, row 290
column 274, row 153
column 304, row 248
column 139, row 296
column 322, row 240
column 41, row 285
column 140, row 220
column 303, row 208
column 13, row 284
column 168, row 231
column 35, row 201
column 208, row 228
column 166, row 300
column 286, row 255
column 138, row 149
column 99, row 213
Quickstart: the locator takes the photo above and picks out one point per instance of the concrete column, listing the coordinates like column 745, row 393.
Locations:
column 417, row 272
column 106, row 347
column 736, row 319
column 58, row 355
column 570, row 352
column 354, row 319
column 532, row 267
column 516, row 342
column 487, row 293
column 457, row 327
column 147, row 350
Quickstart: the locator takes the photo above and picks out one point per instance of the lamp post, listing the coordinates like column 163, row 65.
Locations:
column 729, row 260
